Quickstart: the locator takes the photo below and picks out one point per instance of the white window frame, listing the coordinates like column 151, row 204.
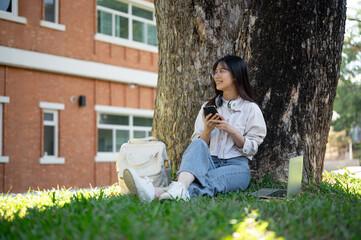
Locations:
column 52, row 108
column 129, row 112
column 3, row 99
column 53, row 25
column 13, row 16
column 128, row 42
column 53, row 123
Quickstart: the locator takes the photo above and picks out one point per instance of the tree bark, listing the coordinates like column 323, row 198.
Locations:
column 293, row 50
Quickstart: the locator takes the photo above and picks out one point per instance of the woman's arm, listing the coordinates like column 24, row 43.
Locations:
column 238, row 139
column 209, row 126
column 255, row 131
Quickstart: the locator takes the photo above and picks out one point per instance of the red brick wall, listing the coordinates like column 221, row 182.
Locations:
column 77, row 128
column 77, row 41
column 22, row 117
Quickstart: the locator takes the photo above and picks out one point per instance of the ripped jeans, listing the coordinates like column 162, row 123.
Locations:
column 213, row 175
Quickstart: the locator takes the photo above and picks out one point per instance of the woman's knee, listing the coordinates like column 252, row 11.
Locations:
column 197, row 148
column 198, row 142
column 230, row 178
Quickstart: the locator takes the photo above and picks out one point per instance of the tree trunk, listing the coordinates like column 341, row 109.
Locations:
column 293, row 51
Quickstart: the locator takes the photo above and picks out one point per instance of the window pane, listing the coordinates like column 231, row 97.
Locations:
column 49, row 133
column 138, row 31
column 5, row 5
column 113, row 119
column 48, row 116
column 139, row 12
column 50, row 10
column 122, row 136
column 121, row 27
column 104, row 23
column 105, row 140
column 119, row 6
column 152, row 35
column 139, row 134
column 142, row 122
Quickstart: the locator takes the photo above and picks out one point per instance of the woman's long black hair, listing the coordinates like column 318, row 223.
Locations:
column 238, row 69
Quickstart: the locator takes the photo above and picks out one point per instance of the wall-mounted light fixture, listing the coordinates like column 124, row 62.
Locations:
column 82, row 101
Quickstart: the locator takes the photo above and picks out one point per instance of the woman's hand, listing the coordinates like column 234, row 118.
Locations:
column 210, row 125
column 222, row 124
column 206, row 134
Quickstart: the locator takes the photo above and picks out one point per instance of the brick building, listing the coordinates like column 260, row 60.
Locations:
column 77, row 79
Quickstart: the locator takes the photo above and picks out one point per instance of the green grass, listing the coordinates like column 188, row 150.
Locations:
column 330, row 210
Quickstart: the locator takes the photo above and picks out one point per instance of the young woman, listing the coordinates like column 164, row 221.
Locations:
column 216, row 161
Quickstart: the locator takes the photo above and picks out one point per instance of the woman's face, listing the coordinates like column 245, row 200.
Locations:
column 223, row 78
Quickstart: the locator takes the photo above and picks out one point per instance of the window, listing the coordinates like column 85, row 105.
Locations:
column 51, row 15
column 3, row 159
column 9, row 6
column 9, row 11
column 125, row 21
column 50, row 154
column 116, row 126
column 50, row 137
column 51, row 10
column 114, row 130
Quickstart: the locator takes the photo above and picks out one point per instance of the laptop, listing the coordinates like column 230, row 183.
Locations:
column 293, row 185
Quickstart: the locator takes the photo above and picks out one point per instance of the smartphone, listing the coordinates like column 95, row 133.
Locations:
column 210, row 109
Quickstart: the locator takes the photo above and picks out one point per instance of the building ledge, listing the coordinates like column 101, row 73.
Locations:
column 4, row 159
column 52, row 160
column 4, row 99
column 54, row 106
column 12, row 18
column 106, row 157
column 70, row 66
column 51, row 25
column 125, row 42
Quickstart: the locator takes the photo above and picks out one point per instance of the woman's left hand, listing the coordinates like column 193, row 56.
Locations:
column 222, row 124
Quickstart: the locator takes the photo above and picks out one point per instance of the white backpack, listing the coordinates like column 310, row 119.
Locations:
column 148, row 157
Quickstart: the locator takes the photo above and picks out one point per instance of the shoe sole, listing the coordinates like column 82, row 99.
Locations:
column 166, row 196
column 171, row 198
column 129, row 181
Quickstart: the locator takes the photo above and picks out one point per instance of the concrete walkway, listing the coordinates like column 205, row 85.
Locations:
column 355, row 171
column 339, row 166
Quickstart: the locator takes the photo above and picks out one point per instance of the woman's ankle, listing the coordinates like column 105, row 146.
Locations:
column 186, row 178
column 159, row 191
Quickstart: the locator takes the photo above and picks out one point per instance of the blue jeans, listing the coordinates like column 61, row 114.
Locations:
column 213, row 175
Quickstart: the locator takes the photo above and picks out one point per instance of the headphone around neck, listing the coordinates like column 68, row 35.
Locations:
column 219, row 101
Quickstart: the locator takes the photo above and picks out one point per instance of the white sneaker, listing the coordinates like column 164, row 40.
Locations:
column 176, row 191
column 143, row 188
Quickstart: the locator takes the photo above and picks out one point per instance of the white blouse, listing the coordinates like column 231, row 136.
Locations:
column 246, row 117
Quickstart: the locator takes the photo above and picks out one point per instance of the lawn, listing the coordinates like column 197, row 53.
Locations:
column 331, row 210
